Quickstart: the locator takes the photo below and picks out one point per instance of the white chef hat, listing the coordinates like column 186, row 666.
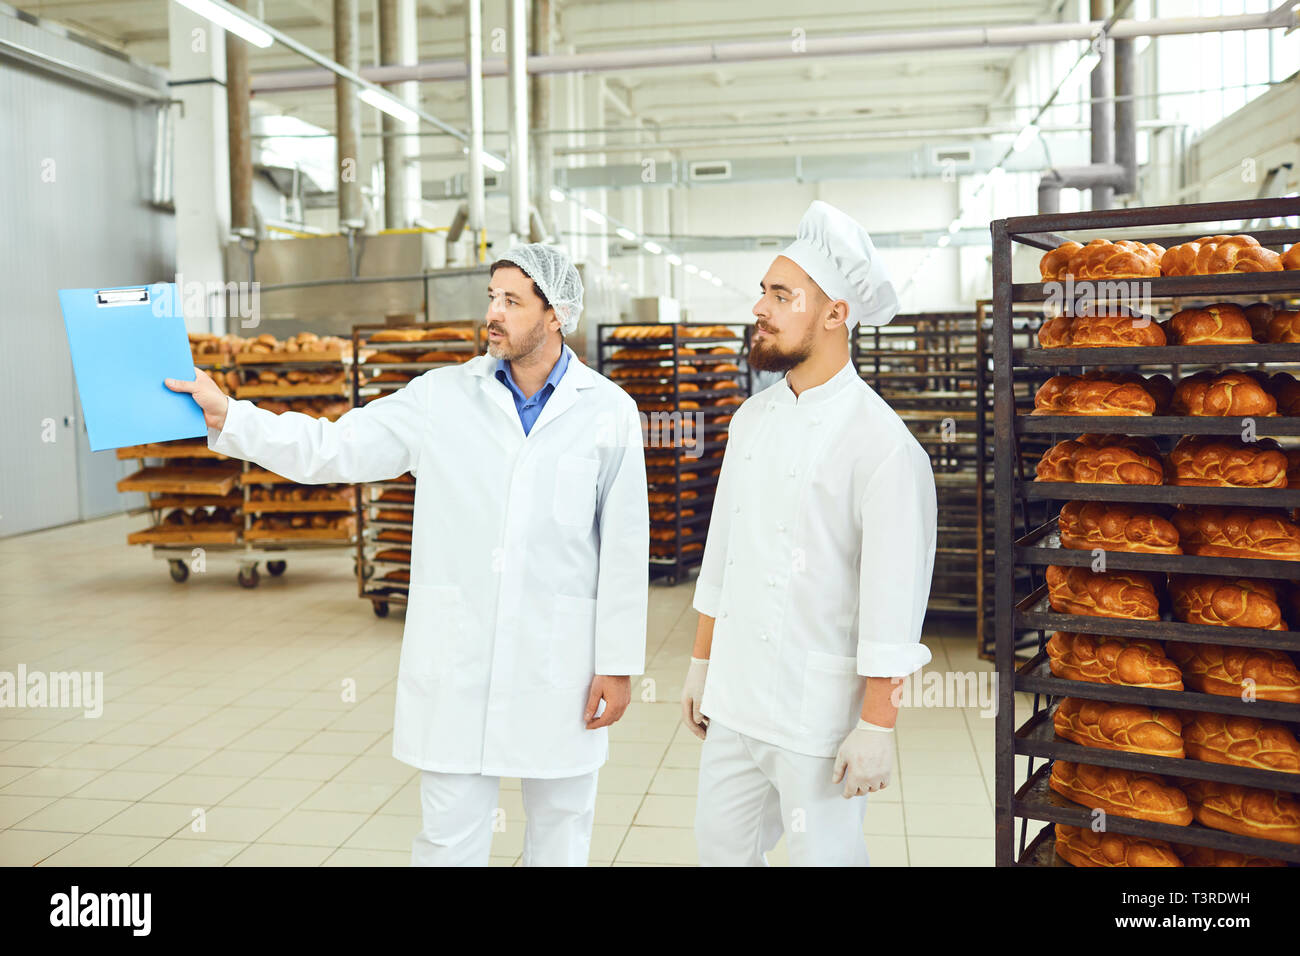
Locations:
column 557, row 277
column 838, row 255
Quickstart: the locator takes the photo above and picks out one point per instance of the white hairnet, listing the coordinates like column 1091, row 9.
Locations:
column 557, row 277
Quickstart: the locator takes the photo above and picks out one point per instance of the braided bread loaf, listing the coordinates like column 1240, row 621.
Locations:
column 1128, row 727
column 1223, row 324
column 1249, row 811
column 1103, row 459
column 1102, row 659
column 1120, row 594
column 1225, row 601
column 1125, row 793
column 1214, row 531
column 1223, row 670
column 1102, row 259
column 1079, row 846
column 1213, row 255
column 1085, row 525
column 1241, row 742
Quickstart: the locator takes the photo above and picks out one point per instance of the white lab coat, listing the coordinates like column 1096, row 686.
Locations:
column 529, row 555
column 817, row 564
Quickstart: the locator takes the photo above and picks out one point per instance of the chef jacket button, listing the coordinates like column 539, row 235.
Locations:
column 723, row 614
column 730, row 561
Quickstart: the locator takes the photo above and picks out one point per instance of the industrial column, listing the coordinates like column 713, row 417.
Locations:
column 399, row 46
column 241, row 147
column 517, row 80
column 474, row 90
column 347, row 113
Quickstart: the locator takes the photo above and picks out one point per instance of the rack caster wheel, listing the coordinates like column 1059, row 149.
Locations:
column 381, row 608
column 276, row 568
column 248, row 577
column 180, row 571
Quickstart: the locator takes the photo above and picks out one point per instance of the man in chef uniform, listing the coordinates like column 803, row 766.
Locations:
column 527, row 607
column 816, row 572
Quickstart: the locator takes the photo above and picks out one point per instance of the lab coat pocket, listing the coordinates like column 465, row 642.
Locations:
column 435, row 624
column 571, row 657
column 832, row 691
column 575, row 490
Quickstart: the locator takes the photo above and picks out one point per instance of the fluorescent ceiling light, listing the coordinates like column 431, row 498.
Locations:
column 954, row 227
column 557, row 196
column 674, row 260
column 593, row 215
column 707, row 276
column 625, row 233
column 716, row 281
column 692, row 269
column 944, row 240
column 652, row 247
column 390, row 105
column 228, row 21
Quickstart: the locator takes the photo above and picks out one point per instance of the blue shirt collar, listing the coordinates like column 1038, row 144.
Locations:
column 561, row 365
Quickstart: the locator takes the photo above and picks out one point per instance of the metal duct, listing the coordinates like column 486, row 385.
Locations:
column 1102, row 110
column 347, row 111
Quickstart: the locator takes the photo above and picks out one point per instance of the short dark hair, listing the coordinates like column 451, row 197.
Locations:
column 506, row 263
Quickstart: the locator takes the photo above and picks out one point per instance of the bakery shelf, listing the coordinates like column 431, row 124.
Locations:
column 1037, row 738
column 1035, row 612
column 330, row 357
column 1265, row 425
column 1160, row 494
column 671, row 392
column 184, row 535
column 465, row 339
column 1037, row 801
column 298, row 534
column 1256, row 354
column 1025, row 538
column 331, row 390
column 1035, row 676
column 167, row 450
column 1042, row 547
column 178, row 479
column 252, row 506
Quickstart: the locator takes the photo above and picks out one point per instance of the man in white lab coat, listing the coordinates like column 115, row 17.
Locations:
column 527, row 607
column 816, row 572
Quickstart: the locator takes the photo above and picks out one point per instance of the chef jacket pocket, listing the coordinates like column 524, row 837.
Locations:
column 832, row 691
column 571, row 654
column 575, row 490
column 435, row 625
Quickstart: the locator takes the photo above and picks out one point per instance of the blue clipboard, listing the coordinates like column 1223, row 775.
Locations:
column 124, row 342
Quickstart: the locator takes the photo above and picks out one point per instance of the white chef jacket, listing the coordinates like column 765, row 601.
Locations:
column 817, row 564
column 529, row 555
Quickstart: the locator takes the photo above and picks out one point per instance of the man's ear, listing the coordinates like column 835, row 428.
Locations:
column 837, row 316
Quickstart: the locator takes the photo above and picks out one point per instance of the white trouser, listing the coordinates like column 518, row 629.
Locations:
column 459, row 810
column 751, row 791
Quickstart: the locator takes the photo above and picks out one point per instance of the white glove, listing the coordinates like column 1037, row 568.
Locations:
column 865, row 759
column 692, row 694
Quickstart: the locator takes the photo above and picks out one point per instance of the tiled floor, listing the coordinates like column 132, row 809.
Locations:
column 225, row 739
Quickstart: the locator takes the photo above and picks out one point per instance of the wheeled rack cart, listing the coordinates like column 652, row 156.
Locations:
column 1022, row 546
column 390, row 356
column 688, row 379
column 263, row 516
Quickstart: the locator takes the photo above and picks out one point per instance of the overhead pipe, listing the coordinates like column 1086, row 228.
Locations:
column 239, row 131
column 516, row 57
column 474, row 99
column 1117, row 173
column 398, row 46
column 347, row 113
column 714, row 54
column 1101, row 85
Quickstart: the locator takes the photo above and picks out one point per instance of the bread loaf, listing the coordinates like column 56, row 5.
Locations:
column 1219, row 532
column 1283, row 326
column 1125, row 259
column 1101, row 659
column 1249, row 811
column 1103, row 459
column 1054, row 265
column 1231, row 393
column 1119, row 594
column 1214, row 255
column 1209, row 856
column 1225, row 602
column 1101, row 329
column 1125, row 793
column 1085, row 525
column 1223, row 670
column 1241, row 742
column 1094, row 394
column 1212, row 325
column 1291, row 258
column 1218, row 461
column 1128, row 727
column 1259, row 315
column 1084, row 847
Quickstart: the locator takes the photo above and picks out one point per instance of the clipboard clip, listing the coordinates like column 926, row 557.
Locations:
column 111, row 297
